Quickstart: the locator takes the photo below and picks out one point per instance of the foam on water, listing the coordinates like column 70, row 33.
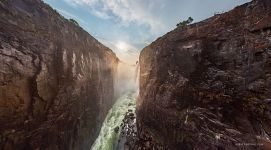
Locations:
column 108, row 138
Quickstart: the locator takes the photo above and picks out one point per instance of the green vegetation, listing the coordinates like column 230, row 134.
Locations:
column 185, row 22
column 74, row 21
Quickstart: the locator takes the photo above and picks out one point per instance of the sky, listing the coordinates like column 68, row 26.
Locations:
column 127, row 26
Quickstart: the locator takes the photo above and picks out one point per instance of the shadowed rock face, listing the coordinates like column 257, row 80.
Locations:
column 56, row 81
column 208, row 85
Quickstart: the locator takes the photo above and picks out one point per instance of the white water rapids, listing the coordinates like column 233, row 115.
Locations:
column 108, row 138
column 126, row 87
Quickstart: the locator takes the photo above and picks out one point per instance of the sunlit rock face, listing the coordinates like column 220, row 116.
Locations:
column 208, row 85
column 56, row 80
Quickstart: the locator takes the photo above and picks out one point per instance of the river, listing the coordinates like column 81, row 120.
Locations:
column 108, row 137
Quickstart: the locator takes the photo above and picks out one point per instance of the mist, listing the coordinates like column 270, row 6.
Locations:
column 126, row 78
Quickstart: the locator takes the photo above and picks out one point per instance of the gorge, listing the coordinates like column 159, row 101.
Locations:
column 204, row 86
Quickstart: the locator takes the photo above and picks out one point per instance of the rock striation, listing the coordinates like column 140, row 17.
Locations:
column 56, row 80
column 208, row 85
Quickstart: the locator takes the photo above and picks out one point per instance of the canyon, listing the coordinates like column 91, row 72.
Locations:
column 203, row 86
column 56, row 80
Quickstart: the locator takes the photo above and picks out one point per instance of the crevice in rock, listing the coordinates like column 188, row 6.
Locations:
column 34, row 85
column 13, row 57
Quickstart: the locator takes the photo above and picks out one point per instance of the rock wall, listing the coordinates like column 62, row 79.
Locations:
column 56, row 80
column 208, row 85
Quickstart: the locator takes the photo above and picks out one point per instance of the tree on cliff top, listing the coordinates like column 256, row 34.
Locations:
column 185, row 22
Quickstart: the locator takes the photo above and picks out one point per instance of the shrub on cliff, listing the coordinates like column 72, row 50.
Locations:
column 74, row 21
column 185, row 22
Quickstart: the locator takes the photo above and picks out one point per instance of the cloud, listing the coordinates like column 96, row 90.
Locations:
column 125, row 51
column 127, row 26
column 100, row 14
column 81, row 2
column 124, row 47
column 69, row 15
column 126, row 11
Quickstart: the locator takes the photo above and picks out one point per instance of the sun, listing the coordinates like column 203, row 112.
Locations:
column 123, row 46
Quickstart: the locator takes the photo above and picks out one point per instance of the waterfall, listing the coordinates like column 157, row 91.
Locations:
column 126, row 91
column 126, row 78
column 136, row 74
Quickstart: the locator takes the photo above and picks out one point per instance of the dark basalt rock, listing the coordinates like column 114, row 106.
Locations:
column 207, row 85
column 56, row 80
column 128, row 132
column 116, row 130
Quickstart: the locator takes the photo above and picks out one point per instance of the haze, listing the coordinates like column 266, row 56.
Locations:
column 128, row 26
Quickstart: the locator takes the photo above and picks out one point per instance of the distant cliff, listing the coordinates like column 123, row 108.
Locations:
column 56, row 80
column 208, row 85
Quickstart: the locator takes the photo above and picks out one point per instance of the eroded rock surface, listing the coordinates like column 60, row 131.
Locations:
column 208, row 85
column 56, row 80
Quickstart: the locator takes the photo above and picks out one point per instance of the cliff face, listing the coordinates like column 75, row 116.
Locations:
column 56, row 81
column 208, row 85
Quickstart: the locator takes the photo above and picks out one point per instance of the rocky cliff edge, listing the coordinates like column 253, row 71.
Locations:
column 208, row 85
